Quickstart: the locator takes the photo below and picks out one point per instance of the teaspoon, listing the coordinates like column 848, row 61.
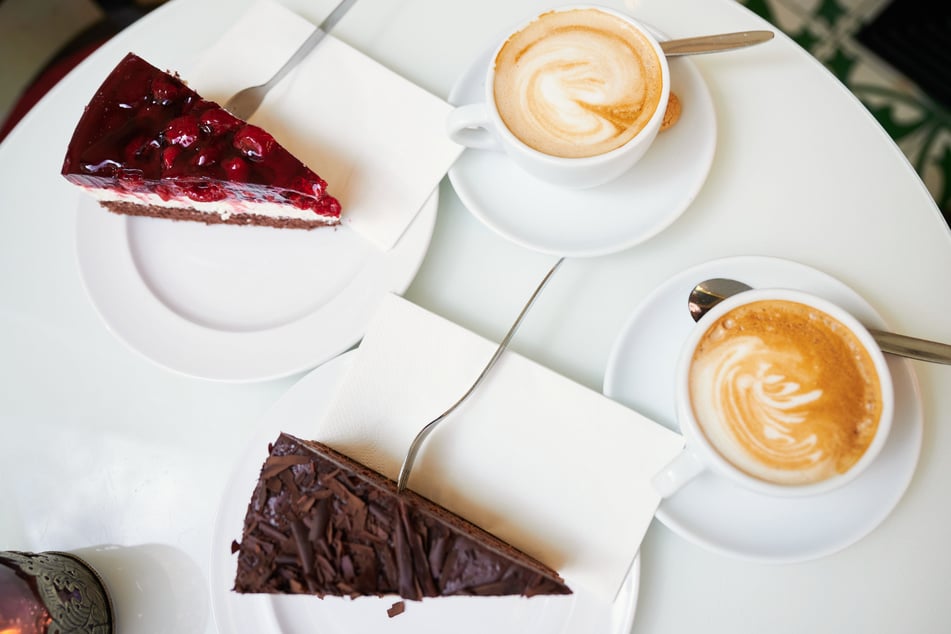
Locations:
column 714, row 43
column 709, row 293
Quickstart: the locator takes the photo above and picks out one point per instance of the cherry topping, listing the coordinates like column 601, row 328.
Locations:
column 182, row 131
column 135, row 147
column 130, row 179
column 169, row 154
column 166, row 89
column 218, row 121
column 236, row 168
column 309, row 186
column 205, row 191
column 253, row 142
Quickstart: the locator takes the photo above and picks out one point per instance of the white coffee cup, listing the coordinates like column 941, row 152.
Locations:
column 633, row 85
column 770, row 412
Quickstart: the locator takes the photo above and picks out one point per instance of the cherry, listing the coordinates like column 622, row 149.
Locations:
column 218, row 121
column 182, row 131
column 206, row 156
column 236, row 168
column 310, row 186
column 166, row 89
column 169, row 154
column 253, row 142
column 134, row 148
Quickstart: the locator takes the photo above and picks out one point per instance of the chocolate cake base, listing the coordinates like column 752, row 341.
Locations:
column 320, row 523
column 191, row 214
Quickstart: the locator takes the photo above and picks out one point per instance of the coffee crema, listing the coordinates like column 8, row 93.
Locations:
column 577, row 83
column 785, row 392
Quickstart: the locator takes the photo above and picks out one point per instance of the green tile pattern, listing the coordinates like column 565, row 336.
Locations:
column 920, row 126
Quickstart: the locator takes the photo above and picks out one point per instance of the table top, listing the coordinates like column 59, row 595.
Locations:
column 104, row 447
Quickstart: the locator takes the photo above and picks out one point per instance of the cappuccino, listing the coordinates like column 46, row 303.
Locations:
column 785, row 392
column 577, row 83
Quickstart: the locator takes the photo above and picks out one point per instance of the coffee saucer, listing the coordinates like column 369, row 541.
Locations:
column 718, row 514
column 605, row 219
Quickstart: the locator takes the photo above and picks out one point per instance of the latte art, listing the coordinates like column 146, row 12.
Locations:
column 785, row 392
column 577, row 83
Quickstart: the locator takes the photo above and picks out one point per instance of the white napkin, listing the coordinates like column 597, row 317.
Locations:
column 552, row 467
column 377, row 139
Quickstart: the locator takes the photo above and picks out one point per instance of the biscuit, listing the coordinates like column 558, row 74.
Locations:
column 672, row 113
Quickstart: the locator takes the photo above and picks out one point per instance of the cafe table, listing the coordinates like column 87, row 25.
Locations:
column 102, row 446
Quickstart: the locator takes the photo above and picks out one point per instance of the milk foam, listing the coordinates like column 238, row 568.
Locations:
column 577, row 83
column 785, row 393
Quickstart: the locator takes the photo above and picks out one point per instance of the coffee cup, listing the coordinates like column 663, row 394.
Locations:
column 781, row 392
column 575, row 96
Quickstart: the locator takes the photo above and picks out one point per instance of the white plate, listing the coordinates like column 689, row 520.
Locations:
column 605, row 219
column 718, row 514
column 296, row 413
column 236, row 303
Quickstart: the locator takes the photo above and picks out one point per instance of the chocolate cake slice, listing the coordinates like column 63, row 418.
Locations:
column 320, row 523
column 148, row 145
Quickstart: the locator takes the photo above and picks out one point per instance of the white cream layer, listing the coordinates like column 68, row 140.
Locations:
column 224, row 208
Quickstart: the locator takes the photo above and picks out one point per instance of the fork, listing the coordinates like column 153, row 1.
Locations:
column 245, row 103
column 410, row 458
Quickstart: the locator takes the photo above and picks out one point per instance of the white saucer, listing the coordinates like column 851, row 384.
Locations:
column 718, row 514
column 296, row 413
column 606, row 219
column 239, row 303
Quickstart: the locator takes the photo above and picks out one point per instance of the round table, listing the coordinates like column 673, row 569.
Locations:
column 101, row 446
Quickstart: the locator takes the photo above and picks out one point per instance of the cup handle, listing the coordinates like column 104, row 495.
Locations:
column 469, row 125
column 678, row 472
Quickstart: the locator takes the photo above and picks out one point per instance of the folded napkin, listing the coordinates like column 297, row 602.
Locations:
column 550, row 466
column 376, row 138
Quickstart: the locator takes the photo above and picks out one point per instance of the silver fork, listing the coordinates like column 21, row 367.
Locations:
column 245, row 102
column 410, row 458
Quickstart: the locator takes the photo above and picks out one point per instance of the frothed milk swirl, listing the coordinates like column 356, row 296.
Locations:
column 785, row 392
column 577, row 83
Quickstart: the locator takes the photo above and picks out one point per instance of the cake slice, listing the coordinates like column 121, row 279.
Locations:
column 320, row 523
column 148, row 145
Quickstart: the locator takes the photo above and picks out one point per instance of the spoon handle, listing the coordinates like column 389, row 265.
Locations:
column 714, row 43
column 912, row 347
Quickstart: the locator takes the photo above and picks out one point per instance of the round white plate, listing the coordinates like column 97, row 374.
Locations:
column 233, row 303
column 718, row 514
column 297, row 412
column 605, row 219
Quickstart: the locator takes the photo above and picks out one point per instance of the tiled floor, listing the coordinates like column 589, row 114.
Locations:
column 31, row 31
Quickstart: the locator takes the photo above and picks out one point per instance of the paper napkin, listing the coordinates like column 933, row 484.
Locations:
column 550, row 466
column 376, row 138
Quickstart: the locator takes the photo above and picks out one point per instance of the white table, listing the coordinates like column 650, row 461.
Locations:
column 101, row 446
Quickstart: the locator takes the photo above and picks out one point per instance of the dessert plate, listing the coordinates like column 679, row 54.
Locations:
column 605, row 219
column 723, row 516
column 297, row 412
column 239, row 303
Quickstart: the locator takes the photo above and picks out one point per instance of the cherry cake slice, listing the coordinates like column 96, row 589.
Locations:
column 148, row 145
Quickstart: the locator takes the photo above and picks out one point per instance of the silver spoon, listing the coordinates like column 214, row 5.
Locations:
column 410, row 458
column 714, row 43
column 709, row 293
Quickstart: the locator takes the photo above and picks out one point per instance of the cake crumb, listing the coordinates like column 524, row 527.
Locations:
column 396, row 609
column 672, row 114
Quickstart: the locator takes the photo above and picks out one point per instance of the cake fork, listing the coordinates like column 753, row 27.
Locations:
column 410, row 458
column 245, row 103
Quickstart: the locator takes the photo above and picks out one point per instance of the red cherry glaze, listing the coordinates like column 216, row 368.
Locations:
column 146, row 131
